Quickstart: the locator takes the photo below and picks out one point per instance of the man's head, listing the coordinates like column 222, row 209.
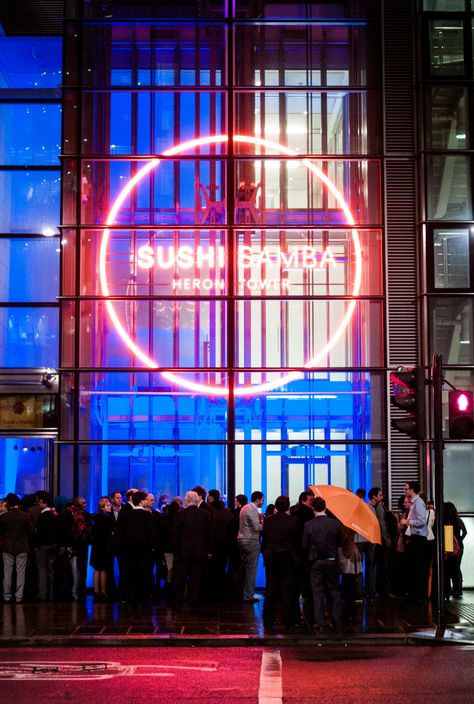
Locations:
column 412, row 488
column 361, row 493
column 282, row 504
column 149, row 502
column 257, row 498
column 13, row 501
column 240, row 500
column 201, row 492
column 116, row 499
column 306, row 498
column 319, row 505
column 129, row 493
column 139, row 498
column 213, row 496
column 45, row 500
column 375, row 495
column 192, row 498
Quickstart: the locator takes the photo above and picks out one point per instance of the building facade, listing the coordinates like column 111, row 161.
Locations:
column 222, row 224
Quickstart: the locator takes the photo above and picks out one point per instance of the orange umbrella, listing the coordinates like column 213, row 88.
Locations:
column 350, row 510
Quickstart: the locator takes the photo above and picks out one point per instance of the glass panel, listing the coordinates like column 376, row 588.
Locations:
column 150, row 55
column 24, row 465
column 443, row 5
column 307, row 55
column 273, row 333
column 160, row 121
column 166, row 333
column 294, row 333
column 448, row 118
column 330, row 405
column 182, row 9
column 29, row 269
column 451, row 329
column 460, row 379
column 283, row 468
column 31, row 133
column 270, row 262
column 142, row 406
column 448, row 188
column 272, row 191
column 337, row 122
column 158, row 468
column 30, row 62
column 34, row 201
column 451, row 258
column 300, row 10
column 28, row 337
column 446, row 47
column 308, row 262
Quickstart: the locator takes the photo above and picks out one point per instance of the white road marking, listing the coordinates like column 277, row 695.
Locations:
column 270, row 690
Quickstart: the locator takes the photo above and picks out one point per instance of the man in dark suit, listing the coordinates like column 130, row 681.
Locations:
column 280, row 544
column 192, row 547
column 321, row 539
column 16, row 530
column 135, row 538
column 202, row 493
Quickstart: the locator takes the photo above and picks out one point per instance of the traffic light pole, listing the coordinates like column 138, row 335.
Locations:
column 437, row 382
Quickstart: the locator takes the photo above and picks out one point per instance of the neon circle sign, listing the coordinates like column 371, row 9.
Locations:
column 209, row 389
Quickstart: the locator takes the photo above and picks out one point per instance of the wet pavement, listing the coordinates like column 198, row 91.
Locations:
column 88, row 623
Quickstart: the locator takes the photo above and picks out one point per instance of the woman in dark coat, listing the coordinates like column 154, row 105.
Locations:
column 101, row 556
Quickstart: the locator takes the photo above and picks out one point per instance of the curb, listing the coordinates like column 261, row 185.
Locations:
column 188, row 641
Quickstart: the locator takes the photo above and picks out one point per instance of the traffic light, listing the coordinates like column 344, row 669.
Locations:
column 409, row 395
column 461, row 414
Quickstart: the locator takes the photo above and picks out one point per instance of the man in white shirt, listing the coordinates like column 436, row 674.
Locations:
column 248, row 538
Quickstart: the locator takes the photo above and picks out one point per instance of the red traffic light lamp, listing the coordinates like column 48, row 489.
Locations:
column 409, row 395
column 461, row 414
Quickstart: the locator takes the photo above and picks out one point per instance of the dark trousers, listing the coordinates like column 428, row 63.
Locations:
column 324, row 577
column 187, row 579
column 138, row 574
column 415, row 565
column 280, row 585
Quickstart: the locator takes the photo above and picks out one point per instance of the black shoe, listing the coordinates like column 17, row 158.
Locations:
column 252, row 600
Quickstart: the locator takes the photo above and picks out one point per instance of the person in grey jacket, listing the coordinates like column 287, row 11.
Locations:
column 250, row 528
column 16, row 531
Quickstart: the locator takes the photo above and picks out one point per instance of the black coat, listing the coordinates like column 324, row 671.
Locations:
column 281, row 533
column 192, row 534
column 135, row 528
column 46, row 529
column 16, row 531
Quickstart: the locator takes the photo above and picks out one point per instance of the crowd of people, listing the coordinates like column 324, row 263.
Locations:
column 194, row 550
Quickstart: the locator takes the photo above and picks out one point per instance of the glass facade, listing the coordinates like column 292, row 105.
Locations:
column 447, row 164
column 216, row 299
column 221, row 202
column 30, row 192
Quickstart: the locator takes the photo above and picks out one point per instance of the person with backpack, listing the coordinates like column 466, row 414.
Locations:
column 74, row 538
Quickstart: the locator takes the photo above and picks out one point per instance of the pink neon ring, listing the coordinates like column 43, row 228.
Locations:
column 205, row 388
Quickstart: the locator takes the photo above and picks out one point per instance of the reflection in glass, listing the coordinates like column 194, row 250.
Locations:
column 446, row 47
column 443, row 5
column 28, row 337
column 448, row 182
column 30, row 134
column 30, row 269
column 24, row 466
column 448, row 118
column 451, row 327
column 34, row 201
column 451, row 258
